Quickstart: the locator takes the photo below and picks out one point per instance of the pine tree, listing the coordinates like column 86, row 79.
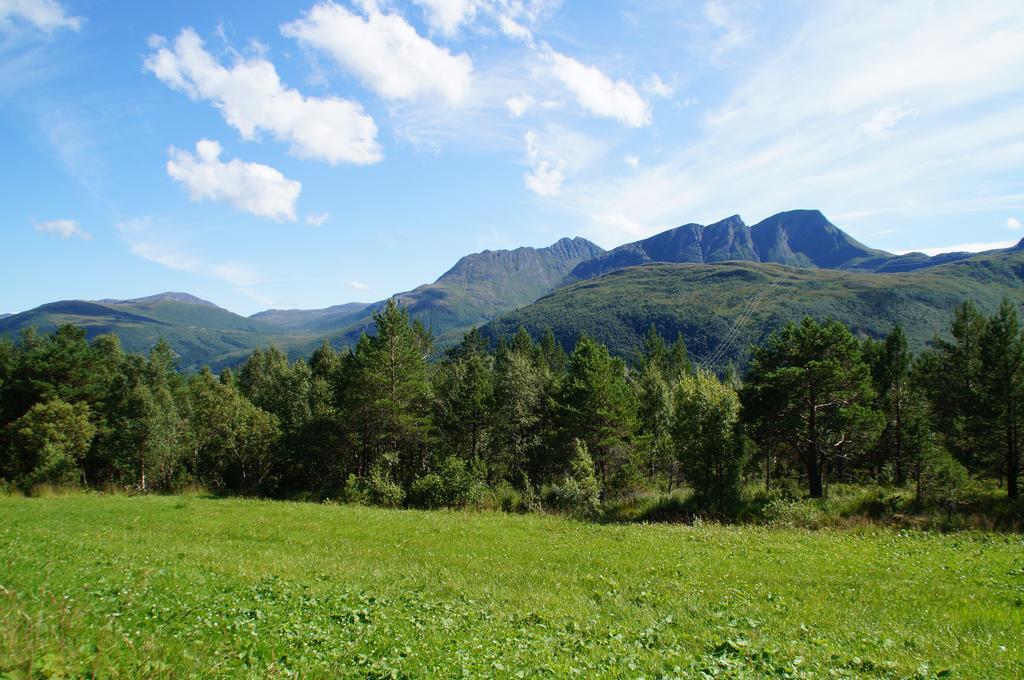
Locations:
column 389, row 391
column 1002, row 391
column 810, row 385
column 596, row 406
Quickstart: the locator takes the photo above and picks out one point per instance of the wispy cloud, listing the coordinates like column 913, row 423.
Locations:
column 146, row 242
column 1013, row 223
column 788, row 133
column 45, row 15
column 974, row 247
column 63, row 228
column 358, row 285
column 317, row 219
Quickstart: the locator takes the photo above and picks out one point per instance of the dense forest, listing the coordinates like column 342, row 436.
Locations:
column 524, row 425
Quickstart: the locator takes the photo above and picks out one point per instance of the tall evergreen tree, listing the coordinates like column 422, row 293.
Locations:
column 389, row 392
column 1002, row 391
column 811, row 382
column 891, row 365
column 949, row 375
column 464, row 386
column 596, row 406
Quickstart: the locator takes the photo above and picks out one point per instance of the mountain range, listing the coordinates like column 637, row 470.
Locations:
column 722, row 286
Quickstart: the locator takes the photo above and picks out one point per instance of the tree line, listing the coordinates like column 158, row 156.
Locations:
column 520, row 423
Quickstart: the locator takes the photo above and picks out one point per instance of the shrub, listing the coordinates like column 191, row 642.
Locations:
column 579, row 493
column 797, row 514
column 428, row 492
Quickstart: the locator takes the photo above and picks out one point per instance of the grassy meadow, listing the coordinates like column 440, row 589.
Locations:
column 165, row 586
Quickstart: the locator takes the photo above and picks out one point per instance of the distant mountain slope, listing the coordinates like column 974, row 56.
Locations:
column 720, row 309
column 313, row 319
column 475, row 290
column 199, row 331
column 799, row 238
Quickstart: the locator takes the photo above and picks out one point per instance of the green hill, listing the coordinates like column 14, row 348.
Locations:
column 721, row 309
column 199, row 331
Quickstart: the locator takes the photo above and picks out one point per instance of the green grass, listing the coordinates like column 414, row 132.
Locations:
column 175, row 586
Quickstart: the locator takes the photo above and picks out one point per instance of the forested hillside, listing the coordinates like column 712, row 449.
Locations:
column 720, row 310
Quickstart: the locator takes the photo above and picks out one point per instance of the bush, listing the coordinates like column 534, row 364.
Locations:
column 428, row 492
column 579, row 493
column 794, row 514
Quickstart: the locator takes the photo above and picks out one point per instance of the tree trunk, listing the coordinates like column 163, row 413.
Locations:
column 814, row 478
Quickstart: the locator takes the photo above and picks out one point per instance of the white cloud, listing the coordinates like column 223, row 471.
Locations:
column 632, row 161
column 252, row 98
column 514, row 29
column 1013, row 223
column 446, row 16
column 517, row 106
column 882, row 123
column 358, row 285
column 548, row 171
column 557, row 152
column 317, row 219
column 62, row 228
column 724, row 17
column 384, row 52
column 659, row 88
column 514, row 18
column 46, row 15
column 965, row 248
column 250, row 187
column 598, row 93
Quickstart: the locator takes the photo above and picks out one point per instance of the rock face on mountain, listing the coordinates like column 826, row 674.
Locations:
column 725, row 240
column 798, row 238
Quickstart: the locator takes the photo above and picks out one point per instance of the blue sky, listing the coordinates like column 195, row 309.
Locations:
column 308, row 154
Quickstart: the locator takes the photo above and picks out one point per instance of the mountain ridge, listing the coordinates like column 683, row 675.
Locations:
column 492, row 285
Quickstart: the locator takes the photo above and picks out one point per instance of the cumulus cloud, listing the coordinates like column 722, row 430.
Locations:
column 517, row 106
column 252, row 98
column 62, row 228
column 317, row 219
column 1013, row 223
column 598, row 93
column 250, row 187
column 384, row 51
column 45, row 15
column 632, row 161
